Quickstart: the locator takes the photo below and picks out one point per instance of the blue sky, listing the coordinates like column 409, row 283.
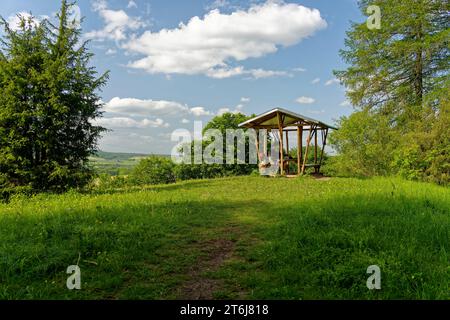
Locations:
column 246, row 56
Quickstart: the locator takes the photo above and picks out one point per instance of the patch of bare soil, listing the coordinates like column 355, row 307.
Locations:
column 199, row 287
column 321, row 177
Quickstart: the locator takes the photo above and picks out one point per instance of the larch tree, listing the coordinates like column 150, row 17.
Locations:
column 397, row 75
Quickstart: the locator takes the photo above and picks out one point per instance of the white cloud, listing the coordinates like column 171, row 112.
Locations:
column 237, row 109
column 14, row 21
column 332, row 81
column 315, row 81
column 131, row 4
column 305, row 100
column 117, row 23
column 124, row 122
column 185, row 121
column 206, row 45
column 345, row 103
column 221, row 111
column 260, row 73
column 217, row 4
column 75, row 15
column 199, row 111
column 111, row 51
column 244, row 99
column 299, row 69
column 141, row 107
column 221, row 73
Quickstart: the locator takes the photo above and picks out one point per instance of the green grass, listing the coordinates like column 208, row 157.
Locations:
column 246, row 237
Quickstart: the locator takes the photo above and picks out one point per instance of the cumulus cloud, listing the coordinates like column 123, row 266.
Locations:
column 315, row 81
column 305, row 100
column 131, row 4
column 117, row 23
column 221, row 73
column 237, row 109
column 75, row 15
column 332, row 81
column 144, row 107
column 199, row 111
column 14, row 21
column 207, row 45
column 217, row 4
column 124, row 122
column 245, row 99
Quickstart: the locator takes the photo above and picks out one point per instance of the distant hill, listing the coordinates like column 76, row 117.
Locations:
column 116, row 163
column 118, row 155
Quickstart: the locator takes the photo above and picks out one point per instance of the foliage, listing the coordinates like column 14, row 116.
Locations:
column 154, row 170
column 221, row 123
column 424, row 154
column 48, row 99
column 364, row 144
column 185, row 171
column 398, row 80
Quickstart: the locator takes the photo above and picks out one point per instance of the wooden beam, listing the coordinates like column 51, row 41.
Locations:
column 323, row 148
column 280, row 129
column 299, row 150
column 308, row 141
column 315, row 148
column 318, row 129
column 287, row 150
column 301, row 147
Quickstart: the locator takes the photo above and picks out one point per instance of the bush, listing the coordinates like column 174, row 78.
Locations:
column 6, row 193
column 199, row 171
column 364, row 144
column 154, row 170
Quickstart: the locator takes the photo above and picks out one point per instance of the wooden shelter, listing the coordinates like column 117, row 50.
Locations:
column 286, row 121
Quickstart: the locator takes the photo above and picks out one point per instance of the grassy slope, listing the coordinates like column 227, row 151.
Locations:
column 247, row 237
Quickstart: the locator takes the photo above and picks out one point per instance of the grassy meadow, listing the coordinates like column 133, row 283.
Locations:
column 242, row 237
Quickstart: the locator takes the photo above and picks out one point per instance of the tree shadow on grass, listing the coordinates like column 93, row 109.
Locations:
column 306, row 249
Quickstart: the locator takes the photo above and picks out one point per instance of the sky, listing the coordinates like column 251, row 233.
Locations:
column 175, row 62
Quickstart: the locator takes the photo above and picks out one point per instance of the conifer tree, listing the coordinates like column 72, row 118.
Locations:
column 398, row 80
column 48, row 101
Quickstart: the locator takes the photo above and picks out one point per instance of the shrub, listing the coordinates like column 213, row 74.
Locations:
column 154, row 170
column 199, row 171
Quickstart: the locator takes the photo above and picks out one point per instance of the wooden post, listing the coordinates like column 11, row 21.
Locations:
column 287, row 151
column 280, row 129
column 299, row 149
column 315, row 149
column 301, row 145
column 323, row 147
column 308, row 141
column 257, row 147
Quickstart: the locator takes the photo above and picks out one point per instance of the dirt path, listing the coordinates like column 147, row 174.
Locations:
column 215, row 253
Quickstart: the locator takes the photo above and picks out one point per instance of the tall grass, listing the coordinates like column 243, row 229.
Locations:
column 293, row 239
